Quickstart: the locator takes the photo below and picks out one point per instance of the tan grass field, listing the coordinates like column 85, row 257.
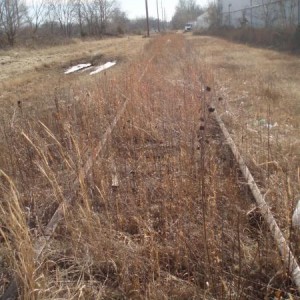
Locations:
column 260, row 87
column 26, row 73
column 161, row 211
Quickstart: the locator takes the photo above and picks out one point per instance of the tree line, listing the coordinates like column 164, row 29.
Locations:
column 65, row 18
column 33, row 19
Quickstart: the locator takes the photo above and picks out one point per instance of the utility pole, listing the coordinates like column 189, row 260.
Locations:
column 158, row 25
column 147, row 17
column 298, row 12
column 162, row 15
column 251, row 14
column 229, row 11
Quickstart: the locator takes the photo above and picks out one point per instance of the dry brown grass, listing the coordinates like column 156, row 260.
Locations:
column 36, row 76
column 173, row 224
column 261, row 87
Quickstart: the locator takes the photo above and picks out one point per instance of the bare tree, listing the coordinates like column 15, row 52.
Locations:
column 79, row 15
column 62, row 12
column 105, row 10
column 186, row 11
column 214, row 15
column 1, row 18
column 292, row 15
column 12, row 15
column 118, row 22
column 36, row 13
column 89, row 17
column 97, row 14
column 62, row 17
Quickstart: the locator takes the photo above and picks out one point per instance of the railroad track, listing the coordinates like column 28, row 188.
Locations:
column 287, row 256
column 12, row 290
column 174, row 145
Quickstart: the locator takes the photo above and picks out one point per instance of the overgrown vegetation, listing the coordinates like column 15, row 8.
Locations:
column 159, row 213
column 285, row 39
column 36, row 19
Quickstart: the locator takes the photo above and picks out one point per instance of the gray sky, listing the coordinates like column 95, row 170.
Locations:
column 136, row 8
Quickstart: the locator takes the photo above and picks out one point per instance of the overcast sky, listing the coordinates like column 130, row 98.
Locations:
column 136, row 8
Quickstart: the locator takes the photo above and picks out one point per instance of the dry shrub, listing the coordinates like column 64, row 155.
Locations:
column 284, row 39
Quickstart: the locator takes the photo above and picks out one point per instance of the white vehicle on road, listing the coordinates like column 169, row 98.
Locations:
column 188, row 27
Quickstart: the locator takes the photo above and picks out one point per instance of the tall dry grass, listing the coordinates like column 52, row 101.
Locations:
column 160, row 214
column 259, row 103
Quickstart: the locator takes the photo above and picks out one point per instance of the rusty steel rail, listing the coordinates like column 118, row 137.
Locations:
column 287, row 256
column 11, row 292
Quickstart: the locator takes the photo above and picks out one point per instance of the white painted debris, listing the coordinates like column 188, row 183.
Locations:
column 86, row 69
column 264, row 123
column 115, row 180
column 296, row 216
column 270, row 126
column 251, row 129
column 77, row 68
column 103, row 67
